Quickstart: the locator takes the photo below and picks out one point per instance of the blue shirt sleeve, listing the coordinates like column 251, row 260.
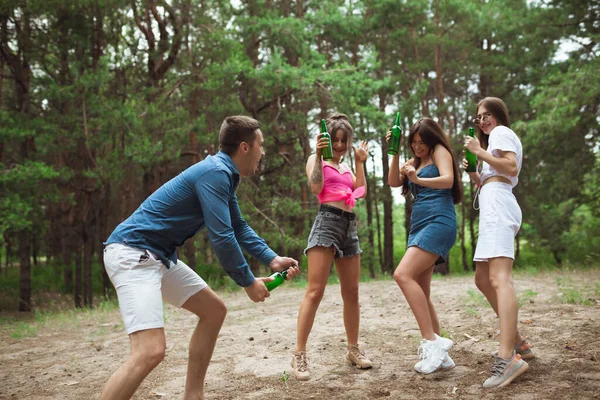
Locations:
column 247, row 238
column 214, row 189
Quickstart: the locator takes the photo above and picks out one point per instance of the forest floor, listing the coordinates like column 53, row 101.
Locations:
column 71, row 356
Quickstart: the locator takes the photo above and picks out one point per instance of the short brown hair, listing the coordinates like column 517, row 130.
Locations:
column 235, row 130
column 499, row 111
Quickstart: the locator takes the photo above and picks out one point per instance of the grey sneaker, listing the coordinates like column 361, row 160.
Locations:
column 505, row 371
column 358, row 358
column 523, row 349
column 300, row 366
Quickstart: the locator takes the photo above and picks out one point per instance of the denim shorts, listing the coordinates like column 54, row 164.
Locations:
column 334, row 227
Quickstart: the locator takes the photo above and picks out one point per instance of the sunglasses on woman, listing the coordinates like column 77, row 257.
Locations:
column 482, row 118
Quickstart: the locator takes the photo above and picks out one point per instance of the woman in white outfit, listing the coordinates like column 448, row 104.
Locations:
column 499, row 152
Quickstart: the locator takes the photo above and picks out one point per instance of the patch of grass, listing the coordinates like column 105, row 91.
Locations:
column 472, row 311
column 526, row 297
column 444, row 333
column 576, row 296
column 473, row 302
column 23, row 330
column 477, row 298
column 571, row 293
column 284, row 378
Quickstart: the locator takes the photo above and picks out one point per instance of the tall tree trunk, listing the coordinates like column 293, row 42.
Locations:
column 88, row 253
column 66, row 261
column 370, row 235
column 472, row 215
column 463, row 243
column 517, row 246
column 25, row 279
column 190, row 253
column 388, row 217
column 78, row 276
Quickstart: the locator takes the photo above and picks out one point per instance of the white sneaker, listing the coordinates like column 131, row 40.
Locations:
column 446, row 343
column 432, row 355
column 448, row 362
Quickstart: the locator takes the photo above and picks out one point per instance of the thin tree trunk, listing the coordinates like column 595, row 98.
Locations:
column 25, row 279
column 67, row 264
column 463, row 244
column 78, row 276
column 190, row 253
column 88, row 250
column 371, row 238
column 517, row 246
column 472, row 225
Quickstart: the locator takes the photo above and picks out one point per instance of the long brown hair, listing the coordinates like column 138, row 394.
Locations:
column 432, row 134
column 499, row 111
column 339, row 121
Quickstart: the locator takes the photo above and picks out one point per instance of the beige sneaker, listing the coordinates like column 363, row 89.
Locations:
column 358, row 358
column 300, row 366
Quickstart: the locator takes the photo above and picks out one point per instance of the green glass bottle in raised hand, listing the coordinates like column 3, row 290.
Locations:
column 278, row 278
column 394, row 143
column 327, row 152
column 471, row 158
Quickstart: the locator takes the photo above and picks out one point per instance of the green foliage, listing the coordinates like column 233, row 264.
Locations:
column 106, row 114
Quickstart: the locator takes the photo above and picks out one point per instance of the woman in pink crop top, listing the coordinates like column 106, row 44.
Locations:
column 333, row 237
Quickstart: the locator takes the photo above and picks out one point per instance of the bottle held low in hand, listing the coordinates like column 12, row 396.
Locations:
column 278, row 278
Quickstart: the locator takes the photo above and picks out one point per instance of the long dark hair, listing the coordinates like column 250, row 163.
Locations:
column 339, row 121
column 432, row 134
column 499, row 111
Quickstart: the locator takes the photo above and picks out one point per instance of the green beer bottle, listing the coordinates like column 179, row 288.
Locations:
column 394, row 144
column 471, row 158
column 327, row 152
column 278, row 278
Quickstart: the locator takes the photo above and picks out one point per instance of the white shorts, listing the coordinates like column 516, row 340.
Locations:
column 143, row 282
column 499, row 221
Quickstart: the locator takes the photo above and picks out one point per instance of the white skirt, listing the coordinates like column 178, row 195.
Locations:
column 499, row 221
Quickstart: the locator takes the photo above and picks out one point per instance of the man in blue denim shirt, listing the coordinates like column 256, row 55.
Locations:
column 141, row 262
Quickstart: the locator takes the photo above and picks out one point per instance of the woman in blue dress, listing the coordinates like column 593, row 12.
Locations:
column 433, row 179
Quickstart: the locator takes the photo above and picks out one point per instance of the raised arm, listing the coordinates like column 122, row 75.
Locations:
column 314, row 172
column 360, row 157
column 395, row 174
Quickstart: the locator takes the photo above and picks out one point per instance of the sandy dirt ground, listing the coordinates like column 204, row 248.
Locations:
column 72, row 357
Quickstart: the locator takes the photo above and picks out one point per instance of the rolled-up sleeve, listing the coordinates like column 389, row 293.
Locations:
column 214, row 189
column 247, row 238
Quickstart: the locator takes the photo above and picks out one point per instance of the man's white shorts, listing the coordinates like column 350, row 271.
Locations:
column 142, row 283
